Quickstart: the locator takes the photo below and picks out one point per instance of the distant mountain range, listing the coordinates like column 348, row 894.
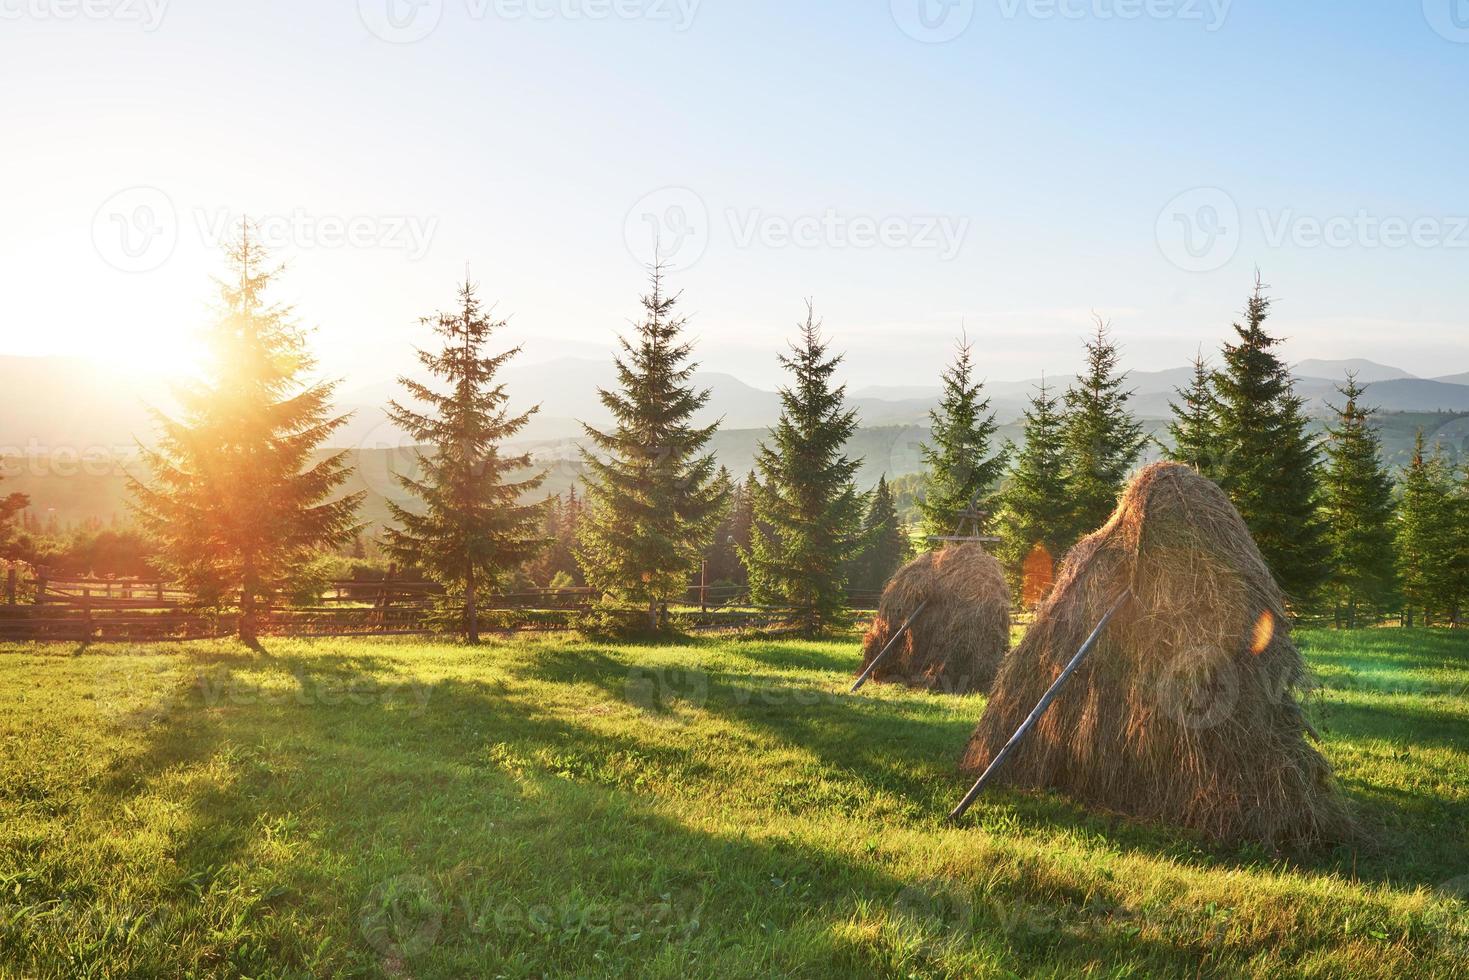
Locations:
column 76, row 422
column 569, row 386
column 76, row 403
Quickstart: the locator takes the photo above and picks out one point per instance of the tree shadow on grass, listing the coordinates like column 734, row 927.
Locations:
column 479, row 831
column 908, row 747
column 1418, row 725
column 476, row 837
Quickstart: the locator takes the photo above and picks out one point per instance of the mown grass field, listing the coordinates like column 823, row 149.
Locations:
column 556, row 807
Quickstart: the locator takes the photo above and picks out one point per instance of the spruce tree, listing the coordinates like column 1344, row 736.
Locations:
column 653, row 497
column 959, row 470
column 1427, row 535
column 10, row 506
column 808, row 513
column 1267, row 460
column 1195, row 422
column 1460, row 544
column 556, row 563
column 239, row 496
column 468, row 529
column 1035, row 504
column 721, row 556
column 1102, row 439
column 742, row 523
column 1357, row 503
column 885, row 543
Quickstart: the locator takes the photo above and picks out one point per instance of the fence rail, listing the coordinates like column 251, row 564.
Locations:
column 35, row 606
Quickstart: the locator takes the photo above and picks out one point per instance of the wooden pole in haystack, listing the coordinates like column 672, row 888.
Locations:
column 1035, row 715
column 898, row 635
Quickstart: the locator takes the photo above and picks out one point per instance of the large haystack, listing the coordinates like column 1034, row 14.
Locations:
column 1185, row 712
column 956, row 643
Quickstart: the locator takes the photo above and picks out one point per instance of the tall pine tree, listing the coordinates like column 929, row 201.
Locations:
column 653, row 497
column 468, row 529
column 721, row 556
column 10, row 505
column 1427, row 535
column 1035, row 504
column 742, row 523
column 555, row 565
column 239, row 496
column 1195, row 421
column 1102, row 439
column 1268, row 462
column 1357, row 503
column 808, row 513
column 885, row 544
column 1460, row 537
column 959, row 469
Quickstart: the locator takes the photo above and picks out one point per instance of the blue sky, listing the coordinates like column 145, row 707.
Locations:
column 1044, row 164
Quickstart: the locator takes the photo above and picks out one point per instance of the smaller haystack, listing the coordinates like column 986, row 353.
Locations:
column 957, row 641
column 1186, row 710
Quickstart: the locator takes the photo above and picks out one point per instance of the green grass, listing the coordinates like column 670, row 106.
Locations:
column 557, row 807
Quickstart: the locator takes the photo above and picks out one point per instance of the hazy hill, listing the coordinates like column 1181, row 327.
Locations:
column 67, row 424
column 69, row 402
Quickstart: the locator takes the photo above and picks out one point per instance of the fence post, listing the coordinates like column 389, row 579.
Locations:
column 40, row 586
column 10, row 586
column 87, row 610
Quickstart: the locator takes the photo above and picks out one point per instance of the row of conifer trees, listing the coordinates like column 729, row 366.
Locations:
column 239, row 496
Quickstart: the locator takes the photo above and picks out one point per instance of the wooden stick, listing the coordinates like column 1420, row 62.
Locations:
column 891, row 643
column 1039, row 709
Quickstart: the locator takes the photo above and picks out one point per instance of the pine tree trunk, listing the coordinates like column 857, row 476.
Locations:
column 653, row 615
column 247, row 626
column 471, row 612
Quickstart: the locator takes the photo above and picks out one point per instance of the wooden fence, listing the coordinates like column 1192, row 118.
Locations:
column 36, row 607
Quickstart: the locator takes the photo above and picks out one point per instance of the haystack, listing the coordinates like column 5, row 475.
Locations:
column 1186, row 710
column 957, row 641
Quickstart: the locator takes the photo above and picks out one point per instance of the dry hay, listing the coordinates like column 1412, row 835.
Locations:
column 1186, row 710
column 957, row 642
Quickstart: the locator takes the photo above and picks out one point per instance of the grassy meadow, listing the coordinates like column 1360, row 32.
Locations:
column 561, row 807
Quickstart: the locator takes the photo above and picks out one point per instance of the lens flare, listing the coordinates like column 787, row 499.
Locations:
column 1037, row 573
column 1263, row 634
